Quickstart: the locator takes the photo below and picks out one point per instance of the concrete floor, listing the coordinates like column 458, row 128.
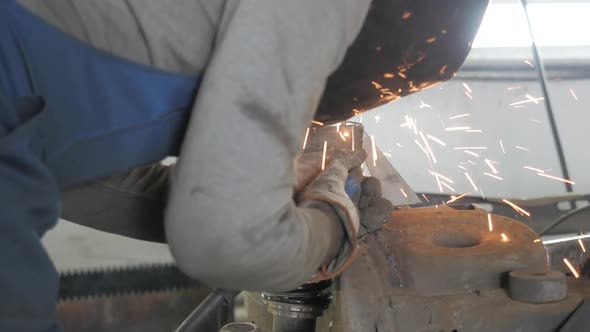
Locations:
column 75, row 247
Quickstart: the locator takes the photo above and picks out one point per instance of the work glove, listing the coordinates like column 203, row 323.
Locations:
column 340, row 185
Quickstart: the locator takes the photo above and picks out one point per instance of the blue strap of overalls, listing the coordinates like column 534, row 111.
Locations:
column 68, row 114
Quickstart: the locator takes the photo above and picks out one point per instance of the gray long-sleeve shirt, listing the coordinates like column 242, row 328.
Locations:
column 231, row 220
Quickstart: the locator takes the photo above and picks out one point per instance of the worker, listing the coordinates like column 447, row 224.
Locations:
column 93, row 90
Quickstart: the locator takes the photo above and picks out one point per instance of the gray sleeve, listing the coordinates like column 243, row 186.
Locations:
column 231, row 220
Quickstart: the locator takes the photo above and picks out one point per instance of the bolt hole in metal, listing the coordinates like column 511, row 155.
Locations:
column 455, row 239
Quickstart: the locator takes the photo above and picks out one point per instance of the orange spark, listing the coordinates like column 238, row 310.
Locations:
column 454, row 199
column 446, row 185
column 438, row 175
column 428, row 147
column 463, row 168
column 387, row 154
column 504, row 237
column 582, row 245
column 317, row 122
column 529, row 63
column 530, row 99
column 376, row 85
column 402, row 75
column 374, row 150
column 423, row 104
column 443, row 69
column 403, row 192
column 514, row 87
column 470, row 181
column 471, row 148
column 305, row 140
column 473, row 131
column 406, row 15
column 490, row 225
column 516, row 208
column 436, row 140
column 521, row 148
column 459, row 116
column 571, row 267
column 324, row 155
column 468, row 95
column 342, row 136
column 471, row 153
column 556, row 178
column 490, row 164
column 467, row 87
column 537, row 241
column 426, row 198
column 472, row 162
column 430, row 40
column 388, row 75
column 457, row 128
column 482, row 195
column 493, row 176
column 574, row 94
column 502, row 146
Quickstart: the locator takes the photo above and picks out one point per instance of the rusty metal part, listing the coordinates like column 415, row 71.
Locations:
column 458, row 245
column 440, row 270
column 534, row 286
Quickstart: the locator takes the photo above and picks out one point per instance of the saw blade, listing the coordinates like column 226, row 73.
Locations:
column 122, row 281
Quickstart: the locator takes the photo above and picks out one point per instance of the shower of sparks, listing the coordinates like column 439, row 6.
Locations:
column 490, row 164
column 306, row 136
column 474, row 131
column 529, row 63
column 317, row 122
column 574, row 94
column 374, row 150
column 342, row 136
column 403, row 193
column 582, row 245
column 490, row 224
column 388, row 75
column 438, row 175
column 324, row 155
column 457, row 128
column 428, row 147
column 468, row 95
column 471, row 148
column 436, row 140
column 446, row 185
column 471, row 153
column 504, row 237
column 459, row 116
column 502, row 146
column 471, row 181
column 556, row 178
column 571, row 267
column 387, row 154
column 454, row 199
column 517, row 208
column 424, row 105
column 521, row 148
column 406, row 15
column 467, row 88
column 493, row 176
column 426, row 198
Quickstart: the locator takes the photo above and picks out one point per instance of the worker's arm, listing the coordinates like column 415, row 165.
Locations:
column 231, row 219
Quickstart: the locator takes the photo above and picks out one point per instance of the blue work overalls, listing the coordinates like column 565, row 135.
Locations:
column 69, row 114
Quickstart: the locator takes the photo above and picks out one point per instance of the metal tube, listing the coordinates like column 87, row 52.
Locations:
column 209, row 308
